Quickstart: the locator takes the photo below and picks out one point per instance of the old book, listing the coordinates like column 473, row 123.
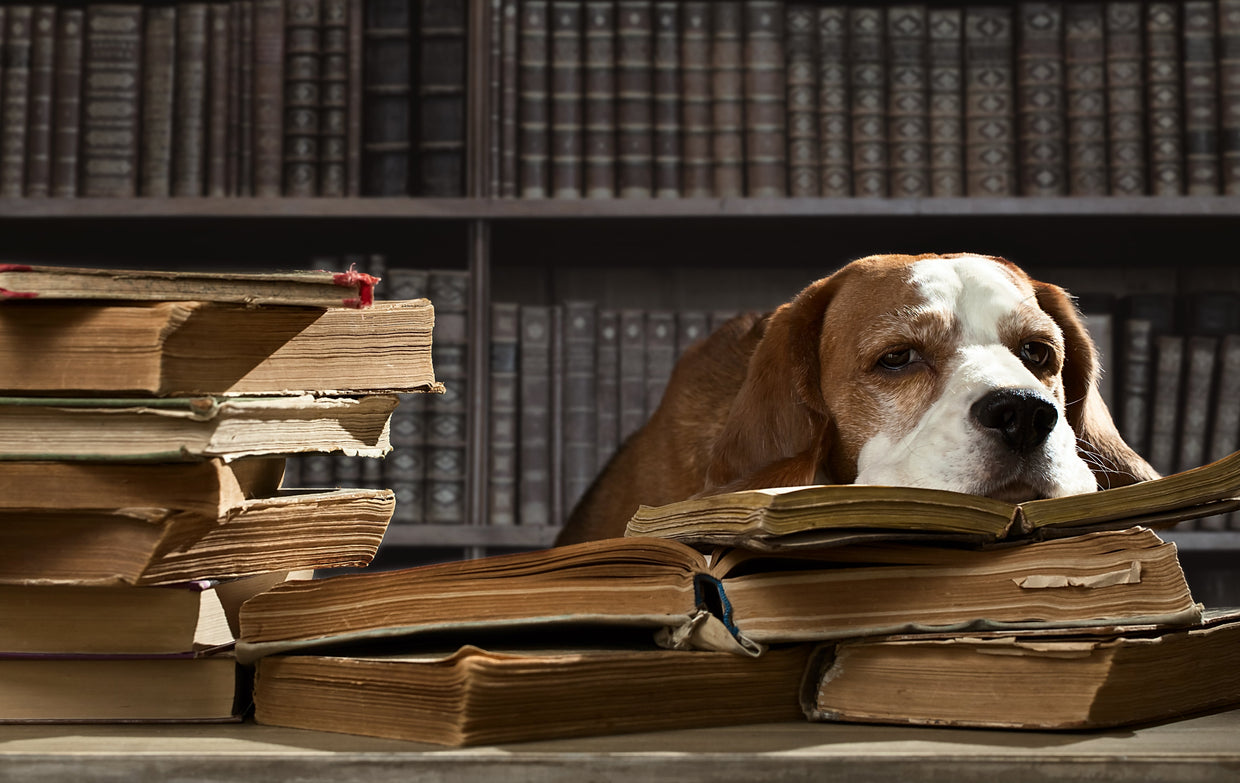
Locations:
column 1098, row 312
column 801, row 29
column 635, row 98
column 354, row 126
column 447, row 415
column 691, row 326
column 479, row 694
column 67, row 105
column 1201, row 103
column 766, row 153
column 158, row 107
column 509, row 92
column 868, row 94
column 495, row 97
column 599, row 99
column 907, row 121
column 1165, row 405
column 442, row 54
column 191, row 428
column 152, row 546
column 695, row 101
column 567, row 107
column 834, row 103
column 631, row 381
column 534, row 100
column 1200, row 360
column 111, row 83
column 534, row 466
column 242, row 145
column 666, row 91
column 1225, row 427
column 728, row 99
column 738, row 600
column 218, row 96
column 334, row 99
column 1042, row 135
column 42, row 92
column 1229, row 93
column 189, row 141
column 1126, row 136
column 1090, row 680
column 799, row 517
column 607, row 364
column 387, row 95
column 268, row 97
column 404, row 469
column 946, row 101
column 1164, row 98
column 504, row 412
column 990, row 102
column 15, row 100
column 1135, row 389
column 660, row 355
column 303, row 62
column 1085, row 96
column 580, row 411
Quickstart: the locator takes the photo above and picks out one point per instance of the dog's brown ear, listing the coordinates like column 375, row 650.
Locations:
column 1113, row 461
column 777, row 427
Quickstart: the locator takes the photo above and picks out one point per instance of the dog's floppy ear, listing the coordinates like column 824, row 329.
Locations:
column 1113, row 461
column 776, row 430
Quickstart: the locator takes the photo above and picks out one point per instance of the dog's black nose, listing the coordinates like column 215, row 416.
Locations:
column 1022, row 417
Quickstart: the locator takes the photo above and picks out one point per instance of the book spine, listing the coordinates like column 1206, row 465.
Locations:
column 1085, row 88
column 567, row 108
column 580, row 399
column 1165, row 407
column 67, row 118
column 868, row 86
column 635, row 98
column 534, row 483
column 691, row 326
column 42, row 81
column 907, row 78
column 534, row 107
column 1201, row 353
column 404, row 469
column 244, row 185
column 1043, row 153
column 801, row 29
column 159, row 57
column 1201, row 114
column 946, row 67
column 990, row 138
column 504, row 412
column 1229, row 93
column 599, row 100
column 1225, row 427
column 666, row 87
column 112, row 75
column 189, row 132
column 354, row 107
column 447, row 413
column 695, row 106
column 495, row 95
column 632, row 375
column 217, row 100
column 334, row 100
column 766, row 152
column 660, row 355
column 303, row 60
column 232, row 97
column 509, row 94
column 1138, row 350
column 728, row 96
column 15, row 100
column 441, row 86
column 1164, row 97
column 268, row 97
column 1126, row 135
column 607, row 385
column 834, row 102
column 386, row 102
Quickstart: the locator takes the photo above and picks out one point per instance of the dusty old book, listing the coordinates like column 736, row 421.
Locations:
column 1054, row 680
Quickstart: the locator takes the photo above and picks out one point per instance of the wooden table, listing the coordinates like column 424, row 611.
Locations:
column 1200, row 749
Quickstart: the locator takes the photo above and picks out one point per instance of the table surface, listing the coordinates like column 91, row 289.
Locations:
column 1205, row 748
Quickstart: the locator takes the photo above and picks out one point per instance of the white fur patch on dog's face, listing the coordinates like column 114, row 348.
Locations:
column 987, row 333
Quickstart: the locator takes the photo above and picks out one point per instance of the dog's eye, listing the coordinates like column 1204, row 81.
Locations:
column 1035, row 354
column 898, row 359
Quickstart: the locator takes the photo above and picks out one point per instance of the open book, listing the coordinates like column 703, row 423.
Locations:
column 791, row 517
column 737, row 600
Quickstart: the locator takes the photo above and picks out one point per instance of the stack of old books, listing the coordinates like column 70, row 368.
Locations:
column 144, row 421
column 827, row 603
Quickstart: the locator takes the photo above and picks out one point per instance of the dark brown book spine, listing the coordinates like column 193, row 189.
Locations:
column 567, row 108
column 447, row 414
column 111, row 80
column 189, row 131
column 1042, row 144
column 303, row 61
column 946, row 74
column 695, row 107
column 667, row 97
column 42, row 85
column 232, row 135
column 158, row 89
column 801, row 29
column 1201, row 109
column 599, row 110
column 387, row 96
column 502, row 453
column 868, row 92
column 441, row 87
column 728, row 96
column 67, row 118
column 990, row 118
column 534, row 109
column 908, row 118
column 1164, row 97
column 635, row 98
column 834, row 103
column 1126, row 137
column 1085, row 92
column 15, row 100
column 354, row 110
column 334, row 100
column 580, row 399
column 268, row 97
column 766, row 150
column 534, row 483
column 1229, row 93
column 218, row 93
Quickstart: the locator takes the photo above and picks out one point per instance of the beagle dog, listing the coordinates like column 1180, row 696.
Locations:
column 955, row 372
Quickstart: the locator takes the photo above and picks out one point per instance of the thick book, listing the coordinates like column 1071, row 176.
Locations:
column 580, row 394
column 67, row 103
column 190, row 133
column 42, row 92
column 442, row 60
column 447, row 415
column 799, row 517
column 509, row 91
column 303, row 62
column 387, row 88
column 268, row 97
column 695, row 102
column 111, row 86
column 801, row 29
column 291, row 531
column 736, row 600
column 946, row 101
column 535, row 425
column 158, row 99
column 1201, row 102
column 599, row 99
column 834, row 106
column 1042, row 681
column 476, row 696
column 868, row 98
column 15, row 99
column 334, row 98
column 1085, row 98
column 502, row 437
column 607, row 364
column 534, row 100
column 635, row 98
column 1042, row 135
column 908, row 83
column 191, row 428
column 1125, row 91
column 728, row 98
column 183, row 348
column 1201, row 353
column 567, row 107
column 667, row 90
column 766, row 152
column 1164, row 98
column 660, row 355
column 631, row 381
column 989, row 102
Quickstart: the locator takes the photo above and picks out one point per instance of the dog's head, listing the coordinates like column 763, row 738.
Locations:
column 950, row 372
